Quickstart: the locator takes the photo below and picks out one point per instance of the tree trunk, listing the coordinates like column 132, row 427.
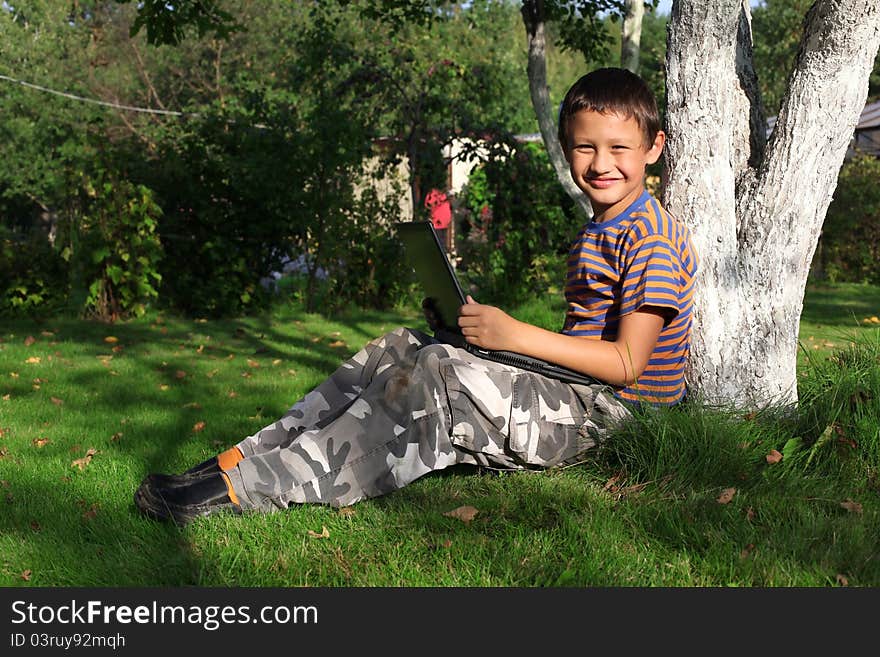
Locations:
column 631, row 34
column 533, row 18
column 756, row 209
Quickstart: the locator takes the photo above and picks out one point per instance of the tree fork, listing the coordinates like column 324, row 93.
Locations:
column 756, row 210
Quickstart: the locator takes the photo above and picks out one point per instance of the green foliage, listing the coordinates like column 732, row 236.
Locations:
column 777, row 27
column 33, row 278
column 517, row 224
column 850, row 243
column 113, row 248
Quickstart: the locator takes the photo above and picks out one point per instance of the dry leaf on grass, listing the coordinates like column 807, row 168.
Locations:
column 57, row 401
column 347, row 512
column 325, row 533
column 253, row 363
column 110, row 339
column 199, row 426
column 774, row 456
column 26, row 575
column 746, row 551
column 39, row 442
column 852, row 507
column 85, row 460
column 180, row 374
column 464, row 513
column 337, row 343
column 33, row 360
column 29, row 340
column 842, row 580
column 726, row 495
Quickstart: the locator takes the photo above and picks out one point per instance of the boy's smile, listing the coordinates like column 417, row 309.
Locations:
column 607, row 156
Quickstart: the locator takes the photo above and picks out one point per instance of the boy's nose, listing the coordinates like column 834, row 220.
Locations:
column 601, row 162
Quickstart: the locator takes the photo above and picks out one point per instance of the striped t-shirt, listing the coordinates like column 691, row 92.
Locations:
column 642, row 257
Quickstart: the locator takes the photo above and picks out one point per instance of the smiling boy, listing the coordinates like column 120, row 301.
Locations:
column 408, row 404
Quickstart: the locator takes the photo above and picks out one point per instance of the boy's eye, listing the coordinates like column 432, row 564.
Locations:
column 619, row 147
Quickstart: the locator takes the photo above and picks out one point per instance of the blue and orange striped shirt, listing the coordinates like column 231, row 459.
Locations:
column 643, row 257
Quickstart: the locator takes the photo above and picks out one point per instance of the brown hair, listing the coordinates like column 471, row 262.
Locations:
column 611, row 91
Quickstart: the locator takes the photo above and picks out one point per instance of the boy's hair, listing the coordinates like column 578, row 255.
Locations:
column 611, row 91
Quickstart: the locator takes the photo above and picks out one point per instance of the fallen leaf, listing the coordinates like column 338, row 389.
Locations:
column 842, row 580
column 746, row 551
column 35, row 525
column 774, row 456
column 277, row 361
column 611, row 484
column 85, row 460
column 325, row 533
column 6, row 397
column 180, row 374
column 14, row 375
column 33, row 360
column 47, row 334
column 115, row 437
column 337, row 343
column 253, row 363
column 3, row 431
column 246, row 375
column 39, row 442
column 163, row 386
column 726, row 495
column 347, row 512
column 91, row 512
column 57, row 401
column 447, row 543
column 117, row 349
column 29, row 340
column 852, row 507
column 195, row 405
column 750, row 513
column 232, row 394
column 26, row 575
column 464, row 513
column 211, row 374
column 199, row 426
column 111, row 339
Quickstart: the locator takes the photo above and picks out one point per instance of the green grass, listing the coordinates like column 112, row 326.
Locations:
column 644, row 512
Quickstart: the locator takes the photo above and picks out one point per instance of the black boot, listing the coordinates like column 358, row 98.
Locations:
column 183, row 503
column 203, row 469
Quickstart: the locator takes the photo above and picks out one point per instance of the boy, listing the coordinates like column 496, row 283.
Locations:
column 406, row 404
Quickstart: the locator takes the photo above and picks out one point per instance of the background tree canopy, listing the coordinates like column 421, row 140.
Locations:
column 178, row 154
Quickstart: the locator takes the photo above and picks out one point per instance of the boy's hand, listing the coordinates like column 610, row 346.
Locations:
column 487, row 326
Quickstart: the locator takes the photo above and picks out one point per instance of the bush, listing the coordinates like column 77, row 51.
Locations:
column 33, row 277
column 517, row 223
column 850, row 244
column 113, row 248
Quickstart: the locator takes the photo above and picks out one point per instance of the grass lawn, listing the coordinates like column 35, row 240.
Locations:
column 684, row 498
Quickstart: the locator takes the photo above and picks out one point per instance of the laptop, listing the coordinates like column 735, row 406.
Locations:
column 426, row 256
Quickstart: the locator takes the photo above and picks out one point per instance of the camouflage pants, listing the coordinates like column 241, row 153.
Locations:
column 406, row 405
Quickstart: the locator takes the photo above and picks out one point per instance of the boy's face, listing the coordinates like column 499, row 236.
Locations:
column 607, row 155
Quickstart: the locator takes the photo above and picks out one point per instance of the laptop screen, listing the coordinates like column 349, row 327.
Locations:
column 425, row 254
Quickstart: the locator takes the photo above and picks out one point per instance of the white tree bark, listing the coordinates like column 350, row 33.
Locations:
column 533, row 19
column 631, row 34
column 756, row 209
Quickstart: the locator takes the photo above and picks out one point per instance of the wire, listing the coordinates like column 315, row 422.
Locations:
column 130, row 108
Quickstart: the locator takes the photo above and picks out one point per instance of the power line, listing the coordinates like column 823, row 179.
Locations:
column 129, row 108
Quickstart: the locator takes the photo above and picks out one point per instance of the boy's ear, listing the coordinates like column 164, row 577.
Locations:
column 657, row 147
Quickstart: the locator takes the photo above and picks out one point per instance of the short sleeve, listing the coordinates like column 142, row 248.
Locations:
column 651, row 277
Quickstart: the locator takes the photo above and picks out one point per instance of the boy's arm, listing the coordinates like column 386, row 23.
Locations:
column 618, row 363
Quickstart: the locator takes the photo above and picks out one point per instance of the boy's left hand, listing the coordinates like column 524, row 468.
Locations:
column 487, row 326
